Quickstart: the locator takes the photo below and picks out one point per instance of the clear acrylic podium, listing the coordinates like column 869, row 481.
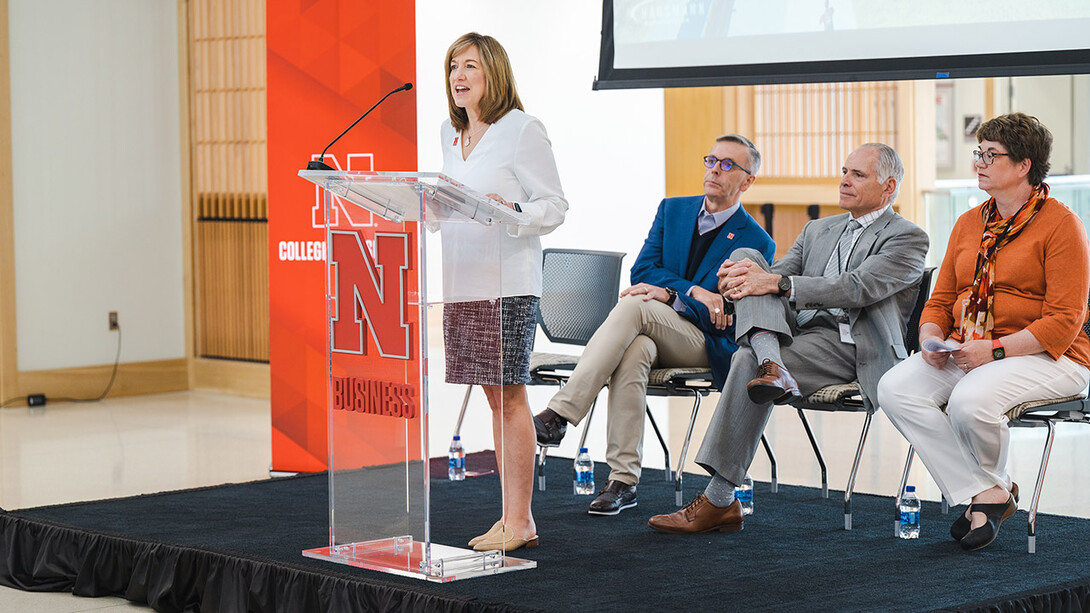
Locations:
column 401, row 249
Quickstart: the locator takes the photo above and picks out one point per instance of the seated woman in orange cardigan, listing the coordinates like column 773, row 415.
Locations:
column 1003, row 326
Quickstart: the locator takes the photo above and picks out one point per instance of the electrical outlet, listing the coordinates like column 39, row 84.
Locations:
column 113, row 320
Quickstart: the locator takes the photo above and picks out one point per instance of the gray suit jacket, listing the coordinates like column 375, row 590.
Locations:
column 878, row 289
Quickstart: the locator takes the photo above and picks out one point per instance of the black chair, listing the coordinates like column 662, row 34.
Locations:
column 1033, row 414
column 695, row 383
column 579, row 288
column 848, row 397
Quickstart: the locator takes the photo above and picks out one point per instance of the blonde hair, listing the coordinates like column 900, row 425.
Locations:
column 500, row 95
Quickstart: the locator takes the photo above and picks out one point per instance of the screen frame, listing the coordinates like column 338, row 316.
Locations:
column 1035, row 63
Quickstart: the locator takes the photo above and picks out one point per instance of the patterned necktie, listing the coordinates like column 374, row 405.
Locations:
column 838, row 262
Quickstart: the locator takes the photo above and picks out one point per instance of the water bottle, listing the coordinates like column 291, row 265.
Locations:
column 584, row 473
column 744, row 494
column 456, row 460
column 910, row 514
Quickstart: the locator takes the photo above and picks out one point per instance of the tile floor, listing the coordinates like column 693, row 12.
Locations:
column 127, row 446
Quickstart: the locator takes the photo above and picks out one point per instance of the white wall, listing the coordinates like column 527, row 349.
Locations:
column 968, row 99
column 609, row 145
column 1060, row 102
column 97, row 180
column 1050, row 99
column 1080, row 129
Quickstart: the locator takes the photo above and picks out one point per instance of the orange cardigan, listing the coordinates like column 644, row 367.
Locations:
column 1042, row 278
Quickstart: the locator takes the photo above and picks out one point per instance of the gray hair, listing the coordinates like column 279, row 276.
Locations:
column 754, row 155
column 889, row 165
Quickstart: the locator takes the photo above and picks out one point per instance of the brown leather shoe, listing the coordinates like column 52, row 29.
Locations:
column 700, row 515
column 549, row 428
column 773, row 384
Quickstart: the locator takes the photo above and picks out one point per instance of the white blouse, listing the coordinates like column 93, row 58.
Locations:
column 513, row 159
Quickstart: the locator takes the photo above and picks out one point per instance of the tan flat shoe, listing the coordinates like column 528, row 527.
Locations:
column 505, row 540
column 477, row 539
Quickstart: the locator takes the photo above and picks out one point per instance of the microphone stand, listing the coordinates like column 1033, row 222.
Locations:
column 320, row 164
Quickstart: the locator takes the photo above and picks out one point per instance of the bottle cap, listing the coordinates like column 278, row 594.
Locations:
column 457, row 438
column 582, row 450
column 910, row 488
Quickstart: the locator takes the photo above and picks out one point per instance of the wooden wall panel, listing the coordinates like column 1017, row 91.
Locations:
column 229, row 178
column 690, row 131
column 807, row 130
column 233, row 294
column 804, row 133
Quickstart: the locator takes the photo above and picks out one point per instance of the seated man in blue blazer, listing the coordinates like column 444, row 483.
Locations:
column 672, row 316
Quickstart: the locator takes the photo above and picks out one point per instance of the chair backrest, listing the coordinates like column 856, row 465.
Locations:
column 1086, row 324
column 912, row 333
column 579, row 288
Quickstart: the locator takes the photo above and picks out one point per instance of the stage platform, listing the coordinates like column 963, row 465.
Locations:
column 238, row 548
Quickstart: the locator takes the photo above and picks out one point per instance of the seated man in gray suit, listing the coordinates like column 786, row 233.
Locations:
column 833, row 310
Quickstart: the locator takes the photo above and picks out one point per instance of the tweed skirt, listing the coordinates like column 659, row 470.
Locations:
column 488, row 342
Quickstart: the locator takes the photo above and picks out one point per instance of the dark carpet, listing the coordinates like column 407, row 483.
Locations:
column 793, row 554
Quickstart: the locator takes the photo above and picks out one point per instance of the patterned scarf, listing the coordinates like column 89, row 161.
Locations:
column 976, row 312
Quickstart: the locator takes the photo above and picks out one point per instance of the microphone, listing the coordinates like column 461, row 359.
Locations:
column 319, row 164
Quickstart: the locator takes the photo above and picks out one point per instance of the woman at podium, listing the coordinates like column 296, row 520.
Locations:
column 493, row 147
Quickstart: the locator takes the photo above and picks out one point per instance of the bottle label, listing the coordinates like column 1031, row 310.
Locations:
column 910, row 518
column 584, row 476
column 456, row 462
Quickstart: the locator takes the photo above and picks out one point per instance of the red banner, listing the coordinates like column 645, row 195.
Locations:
column 328, row 62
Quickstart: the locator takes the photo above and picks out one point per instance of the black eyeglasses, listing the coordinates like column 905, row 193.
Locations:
column 987, row 156
column 710, row 161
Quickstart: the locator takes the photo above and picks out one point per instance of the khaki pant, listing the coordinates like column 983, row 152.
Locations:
column 636, row 337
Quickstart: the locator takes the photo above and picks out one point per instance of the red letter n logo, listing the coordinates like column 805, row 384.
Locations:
column 372, row 292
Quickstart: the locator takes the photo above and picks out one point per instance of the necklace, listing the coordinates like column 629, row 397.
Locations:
column 467, row 140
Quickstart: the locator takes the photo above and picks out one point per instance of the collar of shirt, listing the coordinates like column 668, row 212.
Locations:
column 706, row 222
column 865, row 221
column 869, row 218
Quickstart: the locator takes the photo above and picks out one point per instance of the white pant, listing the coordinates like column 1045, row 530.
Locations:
column 965, row 448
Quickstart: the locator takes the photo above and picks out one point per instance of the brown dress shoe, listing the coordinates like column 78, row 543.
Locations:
column 700, row 515
column 773, row 384
column 549, row 428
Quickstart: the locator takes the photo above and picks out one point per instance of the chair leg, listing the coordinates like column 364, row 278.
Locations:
column 667, row 472
column 817, row 453
column 1032, row 546
column 685, row 448
column 851, row 478
column 462, row 413
column 901, row 492
column 772, row 461
column 541, row 452
column 586, row 423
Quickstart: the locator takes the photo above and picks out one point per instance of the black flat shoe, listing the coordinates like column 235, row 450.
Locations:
column 962, row 524
column 997, row 513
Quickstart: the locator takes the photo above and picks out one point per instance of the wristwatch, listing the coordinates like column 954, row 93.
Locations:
column 783, row 285
column 673, row 296
column 998, row 353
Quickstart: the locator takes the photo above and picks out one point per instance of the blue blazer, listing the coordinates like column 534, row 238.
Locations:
column 665, row 254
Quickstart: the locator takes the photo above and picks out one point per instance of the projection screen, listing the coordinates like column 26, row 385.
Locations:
column 687, row 43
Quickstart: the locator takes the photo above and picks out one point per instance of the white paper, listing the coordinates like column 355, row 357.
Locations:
column 937, row 346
